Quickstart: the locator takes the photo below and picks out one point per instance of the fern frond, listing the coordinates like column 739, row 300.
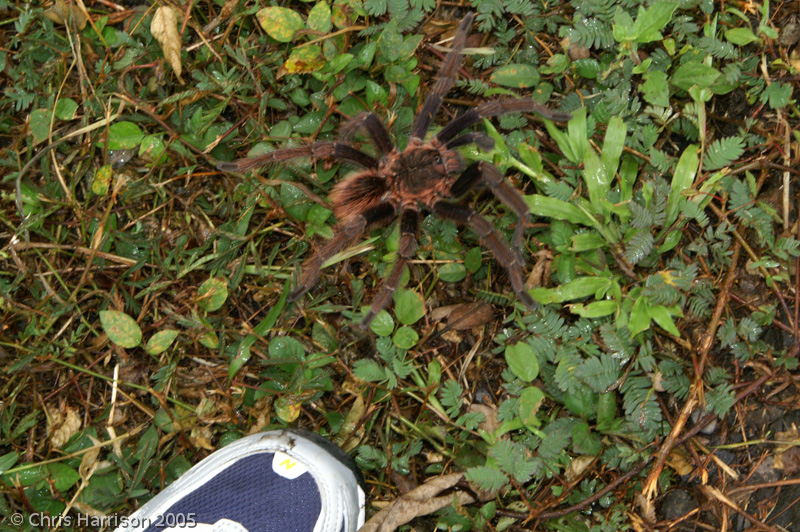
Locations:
column 723, row 152
column 559, row 190
column 599, row 373
column 717, row 48
column 720, row 399
column 641, row 218
column 639, row 246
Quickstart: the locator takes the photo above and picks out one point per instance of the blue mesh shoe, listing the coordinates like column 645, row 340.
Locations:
column 279, row 481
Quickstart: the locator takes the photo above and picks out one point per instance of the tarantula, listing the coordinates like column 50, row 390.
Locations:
column 424, row 176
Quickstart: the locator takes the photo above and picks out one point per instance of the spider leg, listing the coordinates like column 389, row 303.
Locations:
column 496, row 108
column 488, row 175
column 491, row 237
column 483, row 141
column 377, row 131
column 409, row 221
column 318, row 150
column 351, row 229
column 447, row 77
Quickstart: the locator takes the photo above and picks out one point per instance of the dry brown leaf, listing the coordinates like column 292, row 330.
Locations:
column 352, row 431
column 165, row 30
column 540, row 273
column 464, row 315
column 90, row 462
column 420, row 501
column 577, row 467
column 677, row 461
column 787, row 439
column 61, row 13
column 62, row 425
column 789, row 461
column 794, row 59
column 201, row 438
column 490, row 423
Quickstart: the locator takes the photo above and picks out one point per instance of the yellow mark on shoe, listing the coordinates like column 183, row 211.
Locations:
column 286, row 466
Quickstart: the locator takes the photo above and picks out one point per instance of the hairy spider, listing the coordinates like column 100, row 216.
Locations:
column 423, row 177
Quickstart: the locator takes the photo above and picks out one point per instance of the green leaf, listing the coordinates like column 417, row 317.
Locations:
column 595, row 309
column 308, row 125
column 410, row 44
column 655, row 89
column 623, row 27
column 663, row 318
column 650, row 21
column 522, row 361
column 777, row 94
column 405, row 338
column 288, row 408
column 121, row 328
column 390, row 42
column 613, row 143
column 336, row 65
column 606, row 408
column 8, row 460
column 65, row 109
column 573, row 143
column 558, row 210
column 472, row 260
column 62, row 476
column 102, row 180
column 452, row 272
column 161, row 341
column 682, row 180
column 640, row 317
column 280, row 23
column 582, row 402
column 124, row 136
column 409, row 306
column 376, row 94
column 319, row 18
column 586, row 241
column 740, row 36
column 597, row 182
column 383, row 324
column 575, row 289
column 286, row 347
column 584, row 441
column 516, row 75
column 212, row 294
column 690, row 74
column 40, row 124
column 209, row 339
column 529, row 402
column 152, row 147
column 304, row 60
column 587, row 68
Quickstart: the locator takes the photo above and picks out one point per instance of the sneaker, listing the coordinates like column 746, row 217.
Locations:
column 278, row 481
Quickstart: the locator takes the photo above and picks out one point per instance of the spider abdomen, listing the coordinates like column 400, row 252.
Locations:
column 356, row 193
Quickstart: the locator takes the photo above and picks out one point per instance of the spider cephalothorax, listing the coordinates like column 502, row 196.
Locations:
column 423, row 177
